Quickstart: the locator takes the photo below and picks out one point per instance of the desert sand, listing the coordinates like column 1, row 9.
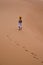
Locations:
column 23, row 47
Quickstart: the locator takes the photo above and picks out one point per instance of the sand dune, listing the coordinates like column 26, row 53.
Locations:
column 23, row 47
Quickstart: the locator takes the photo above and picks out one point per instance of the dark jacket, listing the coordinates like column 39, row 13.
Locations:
column 20, row 21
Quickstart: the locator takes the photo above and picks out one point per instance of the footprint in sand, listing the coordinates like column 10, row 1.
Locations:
column 41, row 61
column 8, row 37
column 32, row 53
column 26, row 50
column 24, row 47
column 17, row 44
column 36, row 58
column 11, row 41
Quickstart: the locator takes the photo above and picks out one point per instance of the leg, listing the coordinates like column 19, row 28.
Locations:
column 19, row 26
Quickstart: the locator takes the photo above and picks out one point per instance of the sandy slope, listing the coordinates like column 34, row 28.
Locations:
column 23, row 47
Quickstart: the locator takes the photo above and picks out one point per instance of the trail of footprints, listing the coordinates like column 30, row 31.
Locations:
column 26, row 50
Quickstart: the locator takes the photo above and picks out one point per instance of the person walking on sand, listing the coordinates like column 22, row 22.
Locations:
column 20, row 23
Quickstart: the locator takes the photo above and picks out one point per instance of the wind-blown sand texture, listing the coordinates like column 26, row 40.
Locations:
column 23, row 47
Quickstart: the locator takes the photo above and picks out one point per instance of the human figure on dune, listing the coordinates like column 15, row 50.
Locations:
column 20, row 23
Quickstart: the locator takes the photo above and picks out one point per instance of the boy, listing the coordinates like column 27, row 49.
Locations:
column 20, row 23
